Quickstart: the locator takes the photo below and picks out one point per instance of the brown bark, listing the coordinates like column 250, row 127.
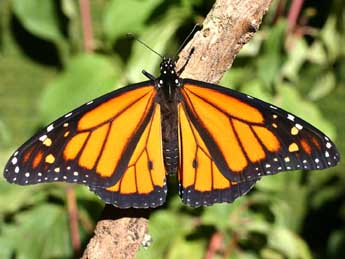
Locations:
column 228, row 26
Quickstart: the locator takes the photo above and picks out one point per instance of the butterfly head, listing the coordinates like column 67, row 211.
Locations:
column 168, row 77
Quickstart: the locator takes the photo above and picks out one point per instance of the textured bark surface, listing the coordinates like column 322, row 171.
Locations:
column 228, row 26
column 116, row 239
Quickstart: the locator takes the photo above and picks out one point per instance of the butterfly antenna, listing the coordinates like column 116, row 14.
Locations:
column 132, row 36
column 195, row 28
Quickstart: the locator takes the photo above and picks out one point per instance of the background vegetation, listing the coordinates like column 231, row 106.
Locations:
column 47, row 68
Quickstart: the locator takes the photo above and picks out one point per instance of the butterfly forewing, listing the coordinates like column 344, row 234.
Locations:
column 90, row 145
column 248, row 138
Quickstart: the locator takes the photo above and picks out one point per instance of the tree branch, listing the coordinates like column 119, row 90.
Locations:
column 229, row 25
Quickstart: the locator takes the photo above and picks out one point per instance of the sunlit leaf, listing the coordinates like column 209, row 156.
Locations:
column 323, row 86
column 43, row 236
column 119, row 21
column 40, row 17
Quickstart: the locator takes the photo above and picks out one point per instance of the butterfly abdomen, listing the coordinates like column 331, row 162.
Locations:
column 168, row 104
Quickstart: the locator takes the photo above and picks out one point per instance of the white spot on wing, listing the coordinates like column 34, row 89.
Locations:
column 291, row 117
column 328, row 145
column 16, row 170
column 14, row 161
column 42, row 138
column 298, row 126
column 326, row 154
column 50, row 128
column 68, row 114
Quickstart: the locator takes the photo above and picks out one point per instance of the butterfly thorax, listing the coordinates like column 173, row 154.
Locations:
column 167, row 83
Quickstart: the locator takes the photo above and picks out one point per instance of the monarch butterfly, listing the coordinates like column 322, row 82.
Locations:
column 124, row 144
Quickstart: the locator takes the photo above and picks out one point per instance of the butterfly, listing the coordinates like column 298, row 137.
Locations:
column 123, row 145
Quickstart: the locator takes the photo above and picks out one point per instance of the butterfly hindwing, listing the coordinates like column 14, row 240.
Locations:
column 200, row 181
column 248, row 138
column 90, row 145
column 143, row 184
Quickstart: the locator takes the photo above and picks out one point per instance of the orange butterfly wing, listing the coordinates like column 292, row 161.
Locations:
column 248, row 138
column 143, row 184
column 200, row 180
column 91, row 145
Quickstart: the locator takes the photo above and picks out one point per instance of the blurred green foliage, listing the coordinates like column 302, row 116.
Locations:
column 44, row 72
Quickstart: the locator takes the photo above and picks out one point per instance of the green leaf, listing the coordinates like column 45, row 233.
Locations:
column 187, row 249
column 317, row 54
column 323, row 86
column 164, row 227
column 331, row 38
column 289, row 244
column 296, row 58
column 19, row 196
column 40, row 233
column 40, row 17
column 86, row 77
column 122, row 17
column 235, row 77
column 271, row 59
column 232, row 215
column 21, row 82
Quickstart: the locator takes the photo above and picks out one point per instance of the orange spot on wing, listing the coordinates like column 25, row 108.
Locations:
column 93, row 147
column 155, row 149
column 316, row 142
column 37, row 159
column 306, row 146
column 187, row 150
column 74, row 146
column 109, row 109
column 144, row 182
column 203, row 177
column 114, row 188
column 219, row 181
column 231, row 105
column 267, row 138
column 128, row 183
column 27, row 155
column 249, row 142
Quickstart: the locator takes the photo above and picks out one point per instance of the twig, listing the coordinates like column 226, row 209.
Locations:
column 229, row 25
column 216, row 243
column 86, row 25
column 294, row 12
column 119, row 234
column 73, row 218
